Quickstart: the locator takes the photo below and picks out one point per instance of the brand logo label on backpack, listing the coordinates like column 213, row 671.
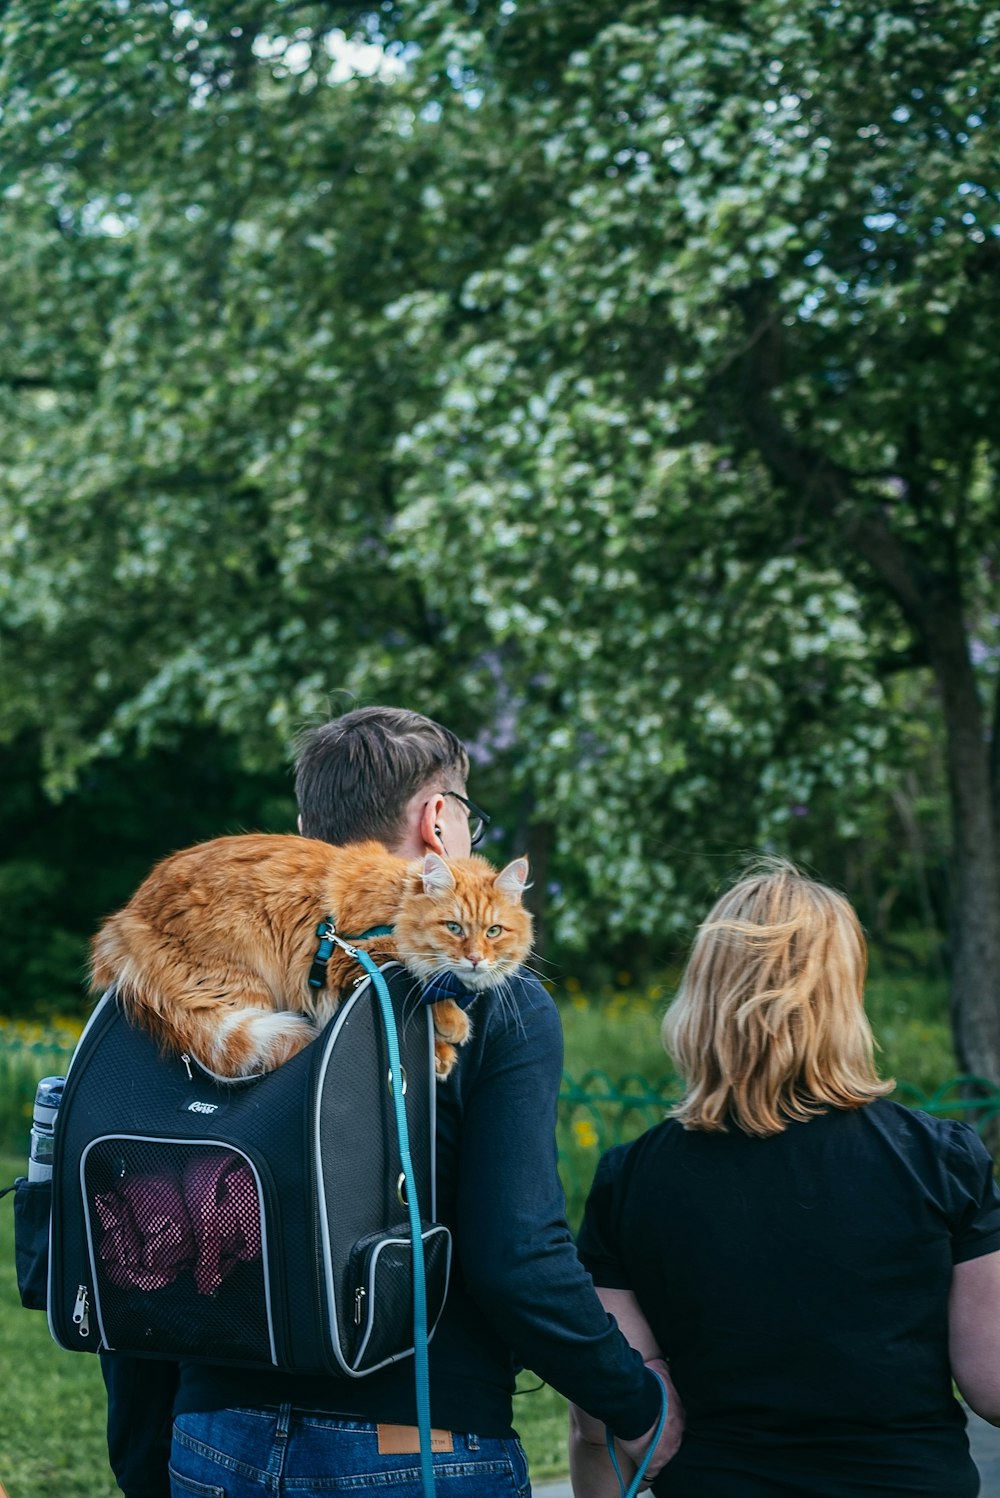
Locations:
column 197, row 1106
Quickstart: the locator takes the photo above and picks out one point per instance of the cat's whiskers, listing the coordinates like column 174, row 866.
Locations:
column 507, row 1003
column 544, row 962
column 414, row 992
column 542, row 977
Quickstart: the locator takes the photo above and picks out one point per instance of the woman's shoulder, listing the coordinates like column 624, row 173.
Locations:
column 934, row 1146
column 946, row 1149
column 904, row 1121
column 662, row 1137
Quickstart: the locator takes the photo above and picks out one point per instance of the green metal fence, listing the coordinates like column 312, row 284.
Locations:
column 22, row 1062
column 611, row 1108
column 595, row 1110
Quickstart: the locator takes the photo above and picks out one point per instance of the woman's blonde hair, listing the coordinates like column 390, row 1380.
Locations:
column 768, row 1024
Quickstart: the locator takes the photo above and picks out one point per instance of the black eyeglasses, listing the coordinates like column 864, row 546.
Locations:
column 478, row 819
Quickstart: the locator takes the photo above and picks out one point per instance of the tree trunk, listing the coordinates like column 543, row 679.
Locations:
column 975, row 987
column 536, row 839
column 929, row 595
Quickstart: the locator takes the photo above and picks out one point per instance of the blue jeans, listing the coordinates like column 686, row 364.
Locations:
column 242, row 1453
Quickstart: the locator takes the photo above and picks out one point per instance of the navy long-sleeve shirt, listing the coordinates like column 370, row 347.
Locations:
column 519, row 1294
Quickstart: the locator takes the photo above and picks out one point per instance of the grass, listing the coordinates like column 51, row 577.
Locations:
column 540, row 1420
column 619, row 1031
column 28, row 1051
column 52, row 1405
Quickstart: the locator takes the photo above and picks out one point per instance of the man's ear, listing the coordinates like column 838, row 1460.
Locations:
column 429, row 831
column 437, row 876
column 513, row 880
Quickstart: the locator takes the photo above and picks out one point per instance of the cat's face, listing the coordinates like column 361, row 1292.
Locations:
column 464, row 918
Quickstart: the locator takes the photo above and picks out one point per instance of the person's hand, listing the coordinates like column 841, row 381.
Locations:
column 670, row 1437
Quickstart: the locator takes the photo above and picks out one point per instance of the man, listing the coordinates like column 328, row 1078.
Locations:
column 518, row 1292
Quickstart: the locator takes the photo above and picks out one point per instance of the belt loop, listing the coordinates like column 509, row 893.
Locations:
column 472, row 1442
column 279, row 1450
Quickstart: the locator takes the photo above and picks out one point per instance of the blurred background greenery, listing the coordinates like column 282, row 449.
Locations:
column 615, row 382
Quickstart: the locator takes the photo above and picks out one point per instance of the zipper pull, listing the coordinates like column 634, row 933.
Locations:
column 187, row 1065
column 359, row 1296
column 81, row 1318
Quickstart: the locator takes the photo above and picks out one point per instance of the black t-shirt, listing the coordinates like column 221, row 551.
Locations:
column 799, row 1287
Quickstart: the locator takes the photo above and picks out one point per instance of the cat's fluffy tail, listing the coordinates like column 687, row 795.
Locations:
column 250, row 1041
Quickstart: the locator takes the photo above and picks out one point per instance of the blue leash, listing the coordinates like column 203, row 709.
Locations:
column 421, row 1371
column 633, row 1487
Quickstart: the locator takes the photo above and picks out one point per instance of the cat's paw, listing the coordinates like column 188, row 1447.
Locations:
column 445, row 1056
column 452, row 1027
column 451, row 1022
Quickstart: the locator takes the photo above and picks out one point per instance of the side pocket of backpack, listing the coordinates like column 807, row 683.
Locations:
column 32, row 1209
column 381, row 1271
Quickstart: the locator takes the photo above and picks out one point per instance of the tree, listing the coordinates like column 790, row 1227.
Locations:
column 613, row 380
column 198, row 399
column 756, row 337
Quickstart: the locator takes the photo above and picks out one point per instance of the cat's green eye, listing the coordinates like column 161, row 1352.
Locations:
column 494, row 932
column 454, row 928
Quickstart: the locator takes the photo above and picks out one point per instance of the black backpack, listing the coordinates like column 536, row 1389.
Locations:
column 262, row 1223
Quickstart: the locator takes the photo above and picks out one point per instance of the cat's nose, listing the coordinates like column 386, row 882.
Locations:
column 475, row 959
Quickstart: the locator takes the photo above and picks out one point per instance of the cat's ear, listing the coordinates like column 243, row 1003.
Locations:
column 513, row 880
column 436, row 875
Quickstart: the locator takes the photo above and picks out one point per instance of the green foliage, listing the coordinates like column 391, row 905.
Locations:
column 614, row 382
column 756, row 222
column 28, row 1052
column 69, row 864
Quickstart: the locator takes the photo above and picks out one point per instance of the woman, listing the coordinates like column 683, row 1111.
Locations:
column 816, row 1263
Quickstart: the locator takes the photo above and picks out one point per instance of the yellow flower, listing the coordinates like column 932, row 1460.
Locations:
column 586, row 1134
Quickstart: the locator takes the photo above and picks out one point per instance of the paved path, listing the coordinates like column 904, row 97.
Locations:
column 983, row 1438
column 985, row 1442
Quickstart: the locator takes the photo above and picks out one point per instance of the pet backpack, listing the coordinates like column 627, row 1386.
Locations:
column 262, row 1222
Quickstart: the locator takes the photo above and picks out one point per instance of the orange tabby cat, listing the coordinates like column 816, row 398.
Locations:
column 212, row 953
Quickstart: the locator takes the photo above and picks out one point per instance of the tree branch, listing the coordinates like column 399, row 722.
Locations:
column 45, row 382
column 825, row 487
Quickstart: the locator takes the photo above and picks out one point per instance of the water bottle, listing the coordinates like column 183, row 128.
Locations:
column 48, row 1096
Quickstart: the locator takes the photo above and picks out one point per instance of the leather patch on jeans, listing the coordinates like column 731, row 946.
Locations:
column 404, row 1440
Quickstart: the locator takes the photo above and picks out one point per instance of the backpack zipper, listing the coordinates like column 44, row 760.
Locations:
column 101, row 1019
column 81, row 1312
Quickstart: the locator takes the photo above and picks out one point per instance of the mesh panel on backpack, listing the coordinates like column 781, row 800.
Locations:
column 178, row 1237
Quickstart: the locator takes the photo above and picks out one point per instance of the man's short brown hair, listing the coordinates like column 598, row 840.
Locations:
column 356, row 775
